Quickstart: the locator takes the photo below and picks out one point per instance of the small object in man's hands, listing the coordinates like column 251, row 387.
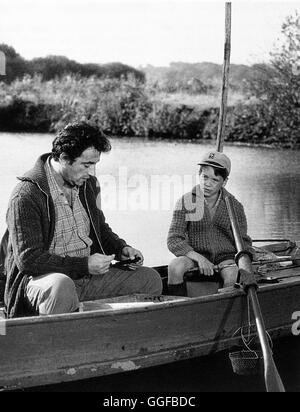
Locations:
column 122, row 263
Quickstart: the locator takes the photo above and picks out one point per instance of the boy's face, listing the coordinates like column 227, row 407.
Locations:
column 210, row 184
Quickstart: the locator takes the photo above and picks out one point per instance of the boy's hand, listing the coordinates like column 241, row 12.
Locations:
column 206, row 268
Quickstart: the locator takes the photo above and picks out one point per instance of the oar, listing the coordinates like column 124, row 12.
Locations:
column 272, row 378
column 271, row 240
column 281, row 259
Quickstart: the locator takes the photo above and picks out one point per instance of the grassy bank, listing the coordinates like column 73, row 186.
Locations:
column 127, row 107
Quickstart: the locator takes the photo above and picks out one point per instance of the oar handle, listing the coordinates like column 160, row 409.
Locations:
column 234, row 225
column 279, row 259
column 243, row 261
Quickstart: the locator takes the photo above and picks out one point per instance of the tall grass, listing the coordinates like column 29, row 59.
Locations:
column 124, row 107
column 127, row 107
column 200, row 101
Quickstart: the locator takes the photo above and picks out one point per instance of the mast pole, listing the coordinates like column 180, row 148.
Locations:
column 225, row 79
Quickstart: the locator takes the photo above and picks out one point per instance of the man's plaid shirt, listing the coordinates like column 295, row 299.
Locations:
column 72, row 225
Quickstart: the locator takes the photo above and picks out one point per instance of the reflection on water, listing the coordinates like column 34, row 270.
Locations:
column 276, row 210
column 266, row 181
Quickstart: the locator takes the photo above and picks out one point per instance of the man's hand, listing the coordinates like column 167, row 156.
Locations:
column 129, row 252
column 206, row 268
column 99, row 264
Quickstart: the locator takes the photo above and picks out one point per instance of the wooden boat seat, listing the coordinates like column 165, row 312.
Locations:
column 197, row 289
column 199, row 285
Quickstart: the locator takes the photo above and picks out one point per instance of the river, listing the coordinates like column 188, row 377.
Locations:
column 141, row 181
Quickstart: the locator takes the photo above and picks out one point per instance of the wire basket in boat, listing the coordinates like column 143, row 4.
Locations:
column 246, row 362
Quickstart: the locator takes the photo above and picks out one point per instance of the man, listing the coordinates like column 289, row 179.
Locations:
column 60, row 249
column 208, row 240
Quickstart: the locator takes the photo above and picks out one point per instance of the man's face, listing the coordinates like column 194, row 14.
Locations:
column 210, row 184
column 79, row 171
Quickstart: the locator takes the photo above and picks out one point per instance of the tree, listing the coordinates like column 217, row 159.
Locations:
column 278, row 87
column 119, row 70
column 54, row 66
column 16, row 66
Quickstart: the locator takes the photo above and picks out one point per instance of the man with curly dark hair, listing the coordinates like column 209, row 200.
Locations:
column 60, row 248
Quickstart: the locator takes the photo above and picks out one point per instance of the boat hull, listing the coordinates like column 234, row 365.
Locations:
column 148, row 331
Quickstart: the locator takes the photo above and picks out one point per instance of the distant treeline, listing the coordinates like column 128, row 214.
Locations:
column 202, row 77
column 193, row 78
column 51, row 67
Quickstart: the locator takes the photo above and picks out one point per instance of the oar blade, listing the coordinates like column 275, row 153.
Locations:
column 272, row 377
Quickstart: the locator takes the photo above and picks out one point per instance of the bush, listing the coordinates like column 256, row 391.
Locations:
column 278, row 90
column 24, row 116
column 248, row 124
column 181, row 122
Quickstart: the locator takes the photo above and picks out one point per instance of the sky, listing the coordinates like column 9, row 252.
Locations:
column 141, row 32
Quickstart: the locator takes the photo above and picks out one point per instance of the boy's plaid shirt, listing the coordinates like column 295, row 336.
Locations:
column 72, row 225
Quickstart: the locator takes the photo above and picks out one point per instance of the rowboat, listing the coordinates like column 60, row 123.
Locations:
column 128, row 333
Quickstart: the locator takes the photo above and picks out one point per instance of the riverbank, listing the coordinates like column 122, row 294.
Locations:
column 127, row 107
column 23, row 123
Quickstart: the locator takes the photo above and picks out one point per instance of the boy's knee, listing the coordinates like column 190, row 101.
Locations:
column 176, row 270
column 229, row 276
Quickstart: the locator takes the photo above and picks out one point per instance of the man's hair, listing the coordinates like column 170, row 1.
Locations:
column 75, row 138
column 218, row 172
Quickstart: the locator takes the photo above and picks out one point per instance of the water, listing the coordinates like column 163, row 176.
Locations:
column 265, row 180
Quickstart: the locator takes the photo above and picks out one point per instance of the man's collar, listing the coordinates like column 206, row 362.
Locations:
column 61, row 182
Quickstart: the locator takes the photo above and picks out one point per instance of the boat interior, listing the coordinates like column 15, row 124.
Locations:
column 274, row 264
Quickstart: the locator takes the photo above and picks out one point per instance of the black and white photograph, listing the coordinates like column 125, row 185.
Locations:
column 150, row 199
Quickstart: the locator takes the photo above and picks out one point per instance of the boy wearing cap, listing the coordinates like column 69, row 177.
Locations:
column 205, row 239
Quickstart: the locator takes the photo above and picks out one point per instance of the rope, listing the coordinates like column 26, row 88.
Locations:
column 247, row 341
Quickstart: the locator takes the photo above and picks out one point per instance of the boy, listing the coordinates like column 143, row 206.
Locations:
column 208, row 240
